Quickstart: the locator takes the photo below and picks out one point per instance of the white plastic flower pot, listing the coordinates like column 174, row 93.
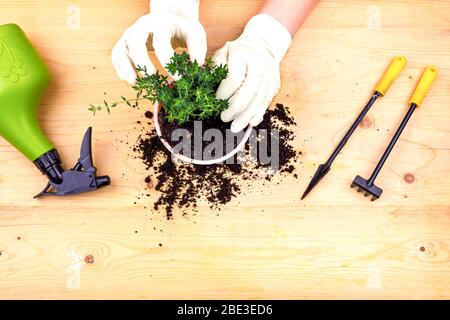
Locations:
column 240, row 146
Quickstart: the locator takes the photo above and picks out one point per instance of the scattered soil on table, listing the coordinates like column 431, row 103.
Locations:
column 185, row 186
column 148, row 114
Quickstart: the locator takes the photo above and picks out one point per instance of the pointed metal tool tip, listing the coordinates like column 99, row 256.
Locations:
column 304, row 194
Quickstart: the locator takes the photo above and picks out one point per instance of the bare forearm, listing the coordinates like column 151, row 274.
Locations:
column 290, row 13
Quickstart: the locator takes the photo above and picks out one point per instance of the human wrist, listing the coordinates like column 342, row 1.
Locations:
column 290, row 13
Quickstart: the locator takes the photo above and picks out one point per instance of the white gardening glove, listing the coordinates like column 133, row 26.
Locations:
column 254, row 70
column 167, row 19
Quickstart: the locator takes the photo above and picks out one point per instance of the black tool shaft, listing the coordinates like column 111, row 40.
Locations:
column 355, row 124
column 391, row 144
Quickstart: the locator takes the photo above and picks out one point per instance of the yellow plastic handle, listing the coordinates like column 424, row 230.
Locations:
column 423, row 86
column 392, row 72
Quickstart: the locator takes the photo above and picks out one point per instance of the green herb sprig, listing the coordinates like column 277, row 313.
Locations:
column 108, row 106
column 190, row 98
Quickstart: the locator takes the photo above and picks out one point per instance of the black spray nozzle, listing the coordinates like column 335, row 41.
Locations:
column 80, row 179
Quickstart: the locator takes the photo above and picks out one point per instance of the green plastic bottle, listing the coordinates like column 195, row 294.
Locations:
column 23, row 80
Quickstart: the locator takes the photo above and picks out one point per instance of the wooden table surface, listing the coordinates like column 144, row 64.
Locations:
column 336, row 244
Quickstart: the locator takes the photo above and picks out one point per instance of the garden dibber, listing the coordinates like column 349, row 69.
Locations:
column 368, row 187
column 393, row 71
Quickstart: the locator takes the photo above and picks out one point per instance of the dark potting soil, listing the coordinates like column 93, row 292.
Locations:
column 184, row 186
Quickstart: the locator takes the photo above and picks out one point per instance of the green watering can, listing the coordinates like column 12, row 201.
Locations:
column 23, row 80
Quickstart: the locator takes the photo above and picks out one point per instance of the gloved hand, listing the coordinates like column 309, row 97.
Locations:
column 254, row 70
column 167, row 19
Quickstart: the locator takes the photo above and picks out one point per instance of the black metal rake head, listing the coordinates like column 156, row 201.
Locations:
column 367, row 187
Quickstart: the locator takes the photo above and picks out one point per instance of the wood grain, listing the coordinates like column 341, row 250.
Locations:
column 268, row 243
